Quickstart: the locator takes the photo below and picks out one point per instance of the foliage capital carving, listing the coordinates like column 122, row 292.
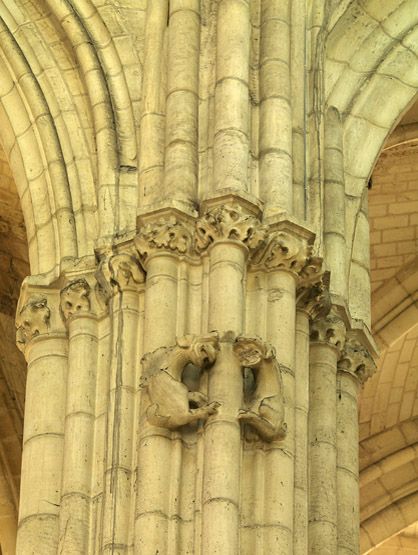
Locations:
column 172, row 403
column 313, row 294
column 330, row 330
column 357, row 361
column 75, row 298
column 32, row 320
column 283, row 251
column 167, row 234
column 125, row 271
column 264, row 410
column 229, row 222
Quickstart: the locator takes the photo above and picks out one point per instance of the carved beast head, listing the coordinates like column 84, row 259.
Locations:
column 251, row 351
column 202, row 349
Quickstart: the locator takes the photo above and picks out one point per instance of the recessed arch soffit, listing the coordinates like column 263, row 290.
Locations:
column 389, row 401
column 388, row 522
column 65, row 104
column 388, row 484
column 371, row 76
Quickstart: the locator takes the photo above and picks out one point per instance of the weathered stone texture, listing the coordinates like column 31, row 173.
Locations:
column 184, row 207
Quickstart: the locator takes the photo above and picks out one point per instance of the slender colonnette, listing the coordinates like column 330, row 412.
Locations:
column 229, row 232
column 152, row 133
column 75, row 510
column 231, row 133
column 334, row 202
column 126, row 281
column 275, row 109
column 327, row 341
column 313, row 301
column 355, row 366
column 285, row 257
column 164, row 238
column 180, row 171
column 41, row 336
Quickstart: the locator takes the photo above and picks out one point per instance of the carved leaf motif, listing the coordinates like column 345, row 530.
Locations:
column 171, row 403
column 229, row 222
column 330, row 329
column 169, row 234
column 313, row 295
column 125, row 271
column 264, row 410
column 75, row 298
column 357, row 360
column 32, row 321
column 283, row 251
column 312, row 272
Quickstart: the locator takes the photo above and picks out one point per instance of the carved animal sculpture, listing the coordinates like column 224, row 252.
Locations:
column 265, row 410
column 172, row 404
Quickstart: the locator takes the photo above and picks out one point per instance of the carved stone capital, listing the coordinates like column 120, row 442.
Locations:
column 313, row 295
column 168, row 233
column 330, row 330
column 32, row 320
column 172, row 402
column 357, row 361
column 264, row 401
column 75, row 298
column 283, row 251
column 229, row 222
column 125, row 271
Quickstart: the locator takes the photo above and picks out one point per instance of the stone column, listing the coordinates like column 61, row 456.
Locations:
column 152, row 131
column 42, row 338
column 181, row 171
column 164, row 238
column 275, row 108
column 229, row 231
column 79, row 416
column 301, row 490
column 327, row 341
column 283, row 258
column 231, row 133
column 312, row 302
column 334, row 203
column 354, row 368
column 126, row 279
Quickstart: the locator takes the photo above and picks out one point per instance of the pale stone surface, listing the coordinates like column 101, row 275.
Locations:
column 188, row 181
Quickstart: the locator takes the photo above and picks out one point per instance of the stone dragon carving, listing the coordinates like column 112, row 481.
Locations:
column 172, row 404
column 265, row 407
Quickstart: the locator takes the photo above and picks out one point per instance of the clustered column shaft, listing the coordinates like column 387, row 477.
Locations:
column 79, row 418
column 301, row 517
column 127, row 280
column 222, row 440
column 44, row 343
column 154, row 450
column 354, row 368
column 182, row 101
column 231, row 95
column 348, row 529
column 203, row 446
column 275, row 108
column 151, row 161
column 327, row 341
column 278, row 504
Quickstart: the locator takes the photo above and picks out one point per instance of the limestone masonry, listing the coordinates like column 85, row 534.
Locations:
column 208, row 277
